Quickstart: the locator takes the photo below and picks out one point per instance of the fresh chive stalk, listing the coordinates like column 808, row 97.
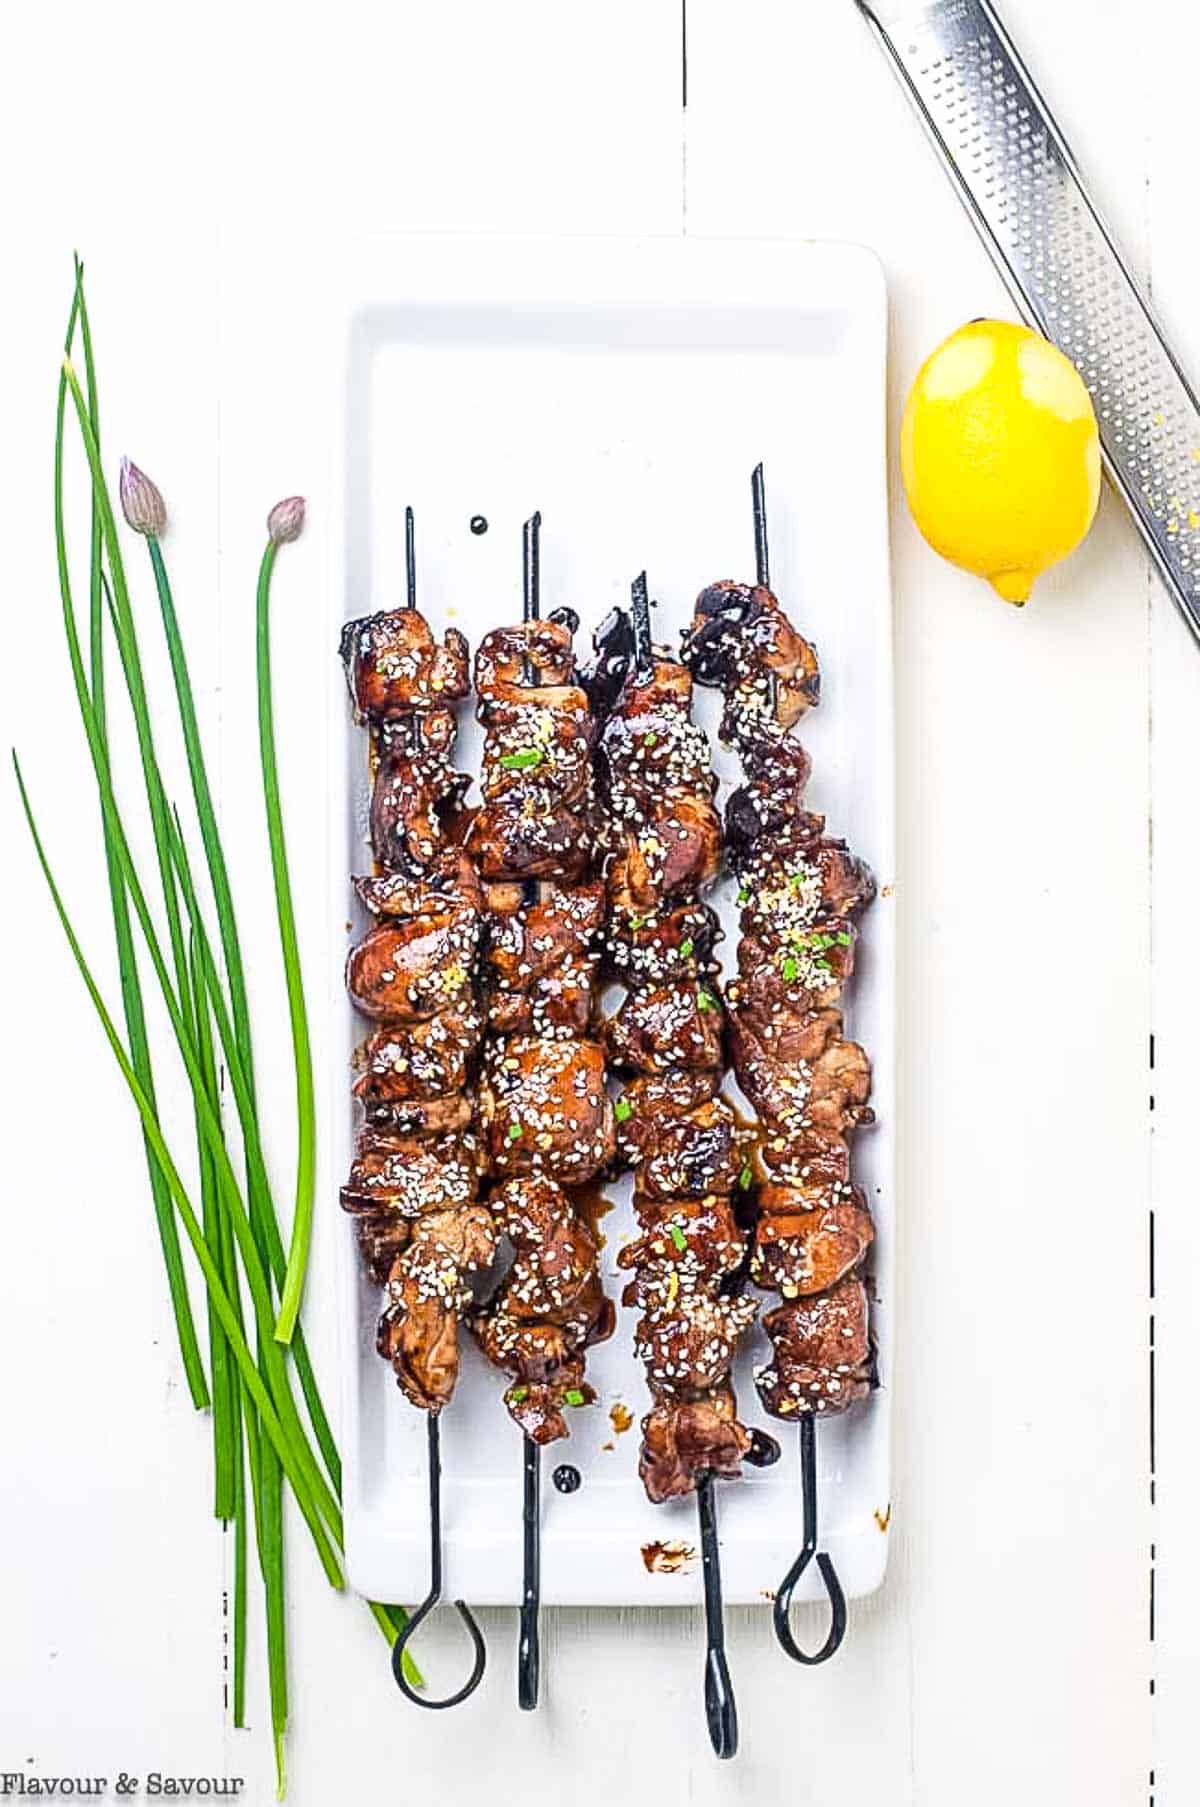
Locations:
column 257, row 1430
column 284, row 524
column 145, row 513
column 131, row 992
column 225, row 1432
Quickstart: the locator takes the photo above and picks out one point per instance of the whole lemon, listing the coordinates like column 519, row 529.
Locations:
column 1001, row 454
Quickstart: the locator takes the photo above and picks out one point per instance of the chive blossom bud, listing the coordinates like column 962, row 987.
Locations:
column 286, row 520
column 141, row 503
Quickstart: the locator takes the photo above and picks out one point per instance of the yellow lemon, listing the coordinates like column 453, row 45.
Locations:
column 1001, row 454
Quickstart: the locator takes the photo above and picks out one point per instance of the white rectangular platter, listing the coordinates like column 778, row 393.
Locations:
column 625, row 389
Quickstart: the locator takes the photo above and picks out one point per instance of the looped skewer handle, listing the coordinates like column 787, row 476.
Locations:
column 720, row 1707
column 829, row 1575
column 529, row 1649
column 435, row 1593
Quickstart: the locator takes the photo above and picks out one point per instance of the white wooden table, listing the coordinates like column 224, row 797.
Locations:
column 194, row 157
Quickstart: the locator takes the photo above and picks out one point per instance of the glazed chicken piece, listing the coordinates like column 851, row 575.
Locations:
column 651, row 747
column 688, row 1339
column 548, row 1309
column 395, row 666
column 427, row 1296
column 741, row 640
column 694, row 1239
column 539, row 753
column 419, row 1060
column 798, row 1250
column 770, row 802
column 808, row 971
column 406, row 970
column 448, row 879
column 519, row 841
column 544, row 1108
column 822, row 1353
column 416, row 799
column 784, row 895
column 673, row 854
column 422, row 1116
column 541, row 960
column 411, row 1177
column 684, row 1438
column 529, row 655
column 672, row 943
column 669, row 1026
column 804, row 1104
column 681, row 1153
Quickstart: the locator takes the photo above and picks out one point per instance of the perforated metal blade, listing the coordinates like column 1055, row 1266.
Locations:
column 1019, row 182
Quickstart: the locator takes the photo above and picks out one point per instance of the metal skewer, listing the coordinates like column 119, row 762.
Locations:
column 435, row 1593
column 720, row 1707
column 808, row 1428
column 432, row 1420
column 643, row 648
column 808, row 1549
column 529, row 1648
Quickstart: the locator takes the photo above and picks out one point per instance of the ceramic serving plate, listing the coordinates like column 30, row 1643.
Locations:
column 625, row 389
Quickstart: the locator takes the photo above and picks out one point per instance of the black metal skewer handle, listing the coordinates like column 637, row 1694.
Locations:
column 434, row 1595
column 529, row 1646
column 720, row 1707
column 809, row 1550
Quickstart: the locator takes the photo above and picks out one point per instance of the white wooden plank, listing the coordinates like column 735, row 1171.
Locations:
column 1020, row 1507
column 461, row 120
column 1176, row 864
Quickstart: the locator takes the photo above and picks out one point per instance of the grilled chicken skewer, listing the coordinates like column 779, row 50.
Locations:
column 801, row 895
column 414, row 1183
column 678, row 1134
column 545, row 1116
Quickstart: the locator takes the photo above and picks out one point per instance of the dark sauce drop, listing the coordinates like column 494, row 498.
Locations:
column 567, row 1478
column 605, row 678
column 567, row 618
column 764, row 1450
column 479, row 523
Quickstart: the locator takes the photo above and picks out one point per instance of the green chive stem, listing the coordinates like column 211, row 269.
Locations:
column 131, row 996
column 293, row 1284
column 262, row 1398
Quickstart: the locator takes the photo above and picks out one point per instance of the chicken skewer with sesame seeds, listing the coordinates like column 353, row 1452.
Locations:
column 675, row 1130
column 546, row 1121
column 801, row 896
column 413, row 1188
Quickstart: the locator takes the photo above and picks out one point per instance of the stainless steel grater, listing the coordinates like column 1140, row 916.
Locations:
column 1020, row 184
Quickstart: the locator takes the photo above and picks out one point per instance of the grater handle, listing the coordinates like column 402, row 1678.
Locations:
column 1015, row 174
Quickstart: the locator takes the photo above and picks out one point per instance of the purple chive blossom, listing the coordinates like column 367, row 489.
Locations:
column 141, row 502
column 286, row 520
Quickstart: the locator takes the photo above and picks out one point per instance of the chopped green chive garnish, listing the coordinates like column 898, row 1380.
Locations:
column 678, row 1238
column 636, row 922
column 622, row 1110
column 573, row 1396
column 791, row 968
column 843, row 939
column 743, row 896
column 520, row 762
column 687, row 948
column 705, row 1000
column 517, row 1394
column 746, row 1177
column 650, row 740
column 513, row 1133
